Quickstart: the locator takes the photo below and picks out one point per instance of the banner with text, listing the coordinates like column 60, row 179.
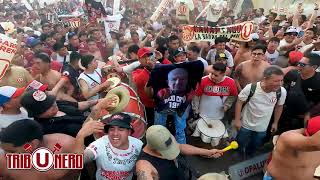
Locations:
column 71, row 22
column 8, row 48
column 241, row 31
column 160, row 9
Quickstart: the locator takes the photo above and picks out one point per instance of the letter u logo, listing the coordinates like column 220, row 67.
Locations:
column 42, row 159
column 46, row 160
column 246, row 31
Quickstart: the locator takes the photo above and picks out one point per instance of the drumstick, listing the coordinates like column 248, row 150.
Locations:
column 233, row 145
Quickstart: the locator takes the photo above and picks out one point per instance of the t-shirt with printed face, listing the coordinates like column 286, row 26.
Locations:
column 113, row 163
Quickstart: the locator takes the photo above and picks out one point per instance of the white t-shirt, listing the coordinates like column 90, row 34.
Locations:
column 282, row 43
column 205, row 63
column 257, row 112
column 7, row 119
column 259, row 20
column 92, row 81
column 215, row 10
column 60, row 59
column 112, row 163
column 212, row 55
column 272, row 57
column 304, row 47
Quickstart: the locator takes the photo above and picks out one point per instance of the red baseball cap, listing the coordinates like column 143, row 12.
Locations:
column 143, row 51
column 295, row 56
column 313, row 126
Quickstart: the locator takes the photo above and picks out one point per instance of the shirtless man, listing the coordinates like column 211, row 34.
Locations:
column 50, row 77
column 252, row 70
column 297, row 153
column 243, row 53
column 29, row 131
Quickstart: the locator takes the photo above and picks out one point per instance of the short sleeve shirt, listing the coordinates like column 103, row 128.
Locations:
column 257, row 113
column 113, row 163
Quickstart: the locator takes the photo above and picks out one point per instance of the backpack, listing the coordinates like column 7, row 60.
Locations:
column 253, row 90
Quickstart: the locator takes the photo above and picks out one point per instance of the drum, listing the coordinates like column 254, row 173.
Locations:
column 210, row 131
column 136, row 110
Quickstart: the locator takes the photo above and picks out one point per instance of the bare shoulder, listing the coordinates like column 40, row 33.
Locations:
column 56, row 74
column 143, row 164
column 66, row 141
column 2, row 164
column 288, row 137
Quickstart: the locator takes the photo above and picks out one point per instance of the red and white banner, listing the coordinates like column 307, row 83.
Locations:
column 192, row 33
column 8, row 48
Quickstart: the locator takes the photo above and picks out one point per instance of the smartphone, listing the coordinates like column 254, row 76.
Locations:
column 153, row 56
column 300, row 34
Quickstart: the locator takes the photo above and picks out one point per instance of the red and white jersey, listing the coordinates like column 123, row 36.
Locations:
column 213, row 95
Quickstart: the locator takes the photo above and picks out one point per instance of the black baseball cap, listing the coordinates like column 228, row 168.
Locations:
column 118, row 119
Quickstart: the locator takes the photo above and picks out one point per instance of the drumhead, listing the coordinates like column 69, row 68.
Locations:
column 217, row 131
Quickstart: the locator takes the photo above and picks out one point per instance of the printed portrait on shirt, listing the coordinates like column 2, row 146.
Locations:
column 173, row 85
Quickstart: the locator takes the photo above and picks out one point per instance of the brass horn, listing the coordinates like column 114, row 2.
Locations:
column 124, row 97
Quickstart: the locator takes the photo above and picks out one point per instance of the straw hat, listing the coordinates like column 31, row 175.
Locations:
column 124, row 97
column 214, row 176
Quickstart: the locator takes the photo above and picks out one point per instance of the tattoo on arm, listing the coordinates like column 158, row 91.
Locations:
column 88, row 156
column 141, row 175
column 94, row 113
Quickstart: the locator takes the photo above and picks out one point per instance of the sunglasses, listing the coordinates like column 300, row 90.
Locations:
column 292, row 34
column 301, row 64
column 256, row 54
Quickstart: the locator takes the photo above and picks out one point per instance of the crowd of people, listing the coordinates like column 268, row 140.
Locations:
column 55, row 88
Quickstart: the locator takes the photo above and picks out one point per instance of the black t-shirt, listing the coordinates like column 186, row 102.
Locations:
column 311, row 88
column 159, row 81
column 302, row 95
column 69, row 124
column 296, row 102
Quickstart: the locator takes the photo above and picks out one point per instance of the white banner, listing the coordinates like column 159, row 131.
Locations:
column 8, row 48
column 160, row 9
column 112, row 23
column 116, row 6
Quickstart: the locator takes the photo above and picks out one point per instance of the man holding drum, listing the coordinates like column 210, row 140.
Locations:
column 215, row 94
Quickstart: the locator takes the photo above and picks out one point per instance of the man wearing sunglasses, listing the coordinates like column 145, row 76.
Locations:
column 310, row 79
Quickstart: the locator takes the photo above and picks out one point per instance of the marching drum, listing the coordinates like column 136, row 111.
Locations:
column 130, row 104
column 210, row 131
